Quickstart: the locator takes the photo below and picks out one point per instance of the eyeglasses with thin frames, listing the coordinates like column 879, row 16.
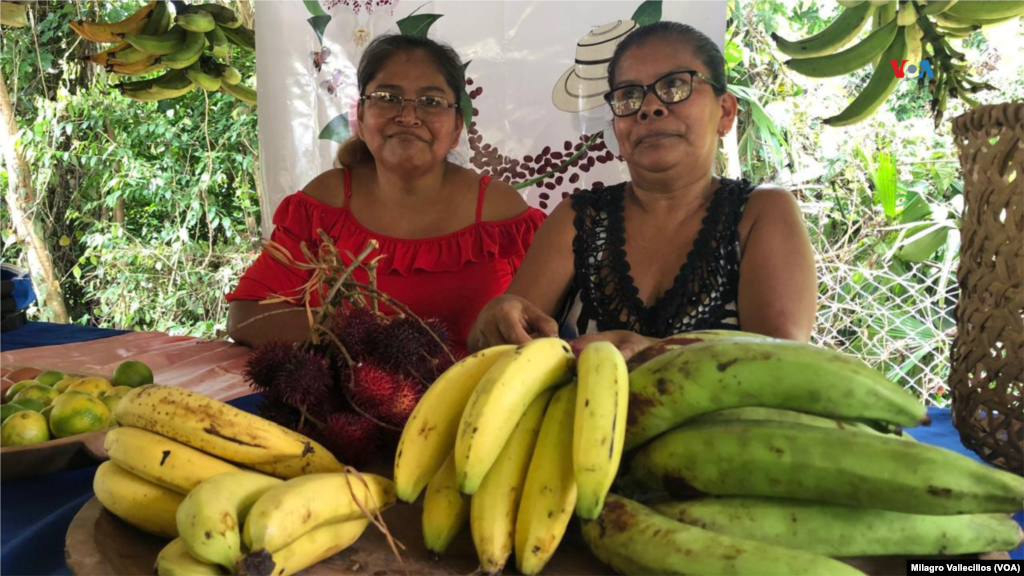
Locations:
column 390, row 104
column 672, row 88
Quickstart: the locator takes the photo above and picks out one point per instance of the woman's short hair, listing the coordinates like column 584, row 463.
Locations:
column 377, row 54
column 702, row 46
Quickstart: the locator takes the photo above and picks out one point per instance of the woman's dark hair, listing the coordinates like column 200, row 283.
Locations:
column 377, row 54
column 702, row 46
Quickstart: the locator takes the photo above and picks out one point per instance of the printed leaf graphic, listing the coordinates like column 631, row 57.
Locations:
column 314, row 7
column 417, row 25
column 337, row 129
column 648, row 13
column 319, row 23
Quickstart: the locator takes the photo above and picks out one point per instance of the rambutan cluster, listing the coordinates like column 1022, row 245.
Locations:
column 344, row 402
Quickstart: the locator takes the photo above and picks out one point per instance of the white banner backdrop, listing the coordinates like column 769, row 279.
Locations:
column 535, row 76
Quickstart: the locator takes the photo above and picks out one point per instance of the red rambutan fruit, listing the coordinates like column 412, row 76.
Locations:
column 357, row 329
column 373, row 390
column 306, row 382
column 266, row 361
column 403, row 402
column 403, row 346
column 352, row 438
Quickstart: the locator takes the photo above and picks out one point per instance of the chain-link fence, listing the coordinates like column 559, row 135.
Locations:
column 897, row 318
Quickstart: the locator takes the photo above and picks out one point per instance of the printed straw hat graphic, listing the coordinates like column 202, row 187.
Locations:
column 583, row 86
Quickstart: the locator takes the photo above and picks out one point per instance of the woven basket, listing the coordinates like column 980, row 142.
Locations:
column 987, row 375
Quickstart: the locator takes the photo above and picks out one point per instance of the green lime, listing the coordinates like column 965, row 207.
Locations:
column 8, row 410
column 94, row 385
column 111, row 401
column 18, row 387
column 30, row 404
column 44, row 394
column 64, row 383
column 132, row 373
column 24, row 428
column 117, row 391
column 46, row 412
column 50, row 377
column 78, row 413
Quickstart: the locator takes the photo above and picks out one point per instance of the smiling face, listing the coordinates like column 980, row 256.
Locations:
column 409, row 142
column 665, row 137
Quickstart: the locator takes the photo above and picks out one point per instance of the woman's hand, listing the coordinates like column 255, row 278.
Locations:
column 509, row 319
column 629, row 343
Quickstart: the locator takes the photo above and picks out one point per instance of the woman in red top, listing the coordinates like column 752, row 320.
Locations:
column 451, row 239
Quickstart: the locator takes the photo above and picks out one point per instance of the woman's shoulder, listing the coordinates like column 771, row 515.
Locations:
column 769, row 203
column 327, row 188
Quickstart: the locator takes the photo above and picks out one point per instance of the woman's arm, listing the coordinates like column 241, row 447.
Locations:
column 778, row 285
column 537, row 290
column 245, row 325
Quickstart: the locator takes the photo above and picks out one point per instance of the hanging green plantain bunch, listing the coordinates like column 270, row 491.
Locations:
column 904, row 31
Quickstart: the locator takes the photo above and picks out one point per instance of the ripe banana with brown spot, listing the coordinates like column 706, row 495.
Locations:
column 207, row 424
column 429, row 434
column 161, row 460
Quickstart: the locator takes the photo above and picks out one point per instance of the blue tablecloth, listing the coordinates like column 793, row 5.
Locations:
column 35, row 334
column 35, row 513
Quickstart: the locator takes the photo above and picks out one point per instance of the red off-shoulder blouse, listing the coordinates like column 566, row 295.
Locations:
column 449, row 277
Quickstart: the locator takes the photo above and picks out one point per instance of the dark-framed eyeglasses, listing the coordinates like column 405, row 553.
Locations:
column 390, row 104
column 671, row 88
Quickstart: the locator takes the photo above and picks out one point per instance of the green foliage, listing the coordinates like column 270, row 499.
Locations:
column 150, row 209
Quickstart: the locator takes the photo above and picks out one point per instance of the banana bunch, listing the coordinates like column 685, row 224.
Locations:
column 186, row 43
column 244, row 522
column 171, row 440
column 508, row 442
column 903, row 31
column 235, row 492
column 751, row 482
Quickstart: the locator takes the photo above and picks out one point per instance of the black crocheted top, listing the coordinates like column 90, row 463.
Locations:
column 703, row 296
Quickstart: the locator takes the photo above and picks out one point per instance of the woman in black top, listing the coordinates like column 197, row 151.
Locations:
column 676, row 248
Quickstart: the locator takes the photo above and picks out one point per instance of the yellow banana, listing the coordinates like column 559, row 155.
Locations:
column 141, row 503
column 210, row 519
column 297, row 506
column 175, row 560
column 208, row 425
column 112, row 31
column 600, row 424
column 429, row 434
column 445, row 509
column 159, row 44
column 549, row 495
column 317, row 460
column 161, row 460
column 499, row 402
column 494, row 507
column 318, row 545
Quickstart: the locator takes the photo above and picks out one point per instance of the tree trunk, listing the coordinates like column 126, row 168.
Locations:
column 119, row 206
column 731, row 150
column 247, row 11
column 21, row 200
